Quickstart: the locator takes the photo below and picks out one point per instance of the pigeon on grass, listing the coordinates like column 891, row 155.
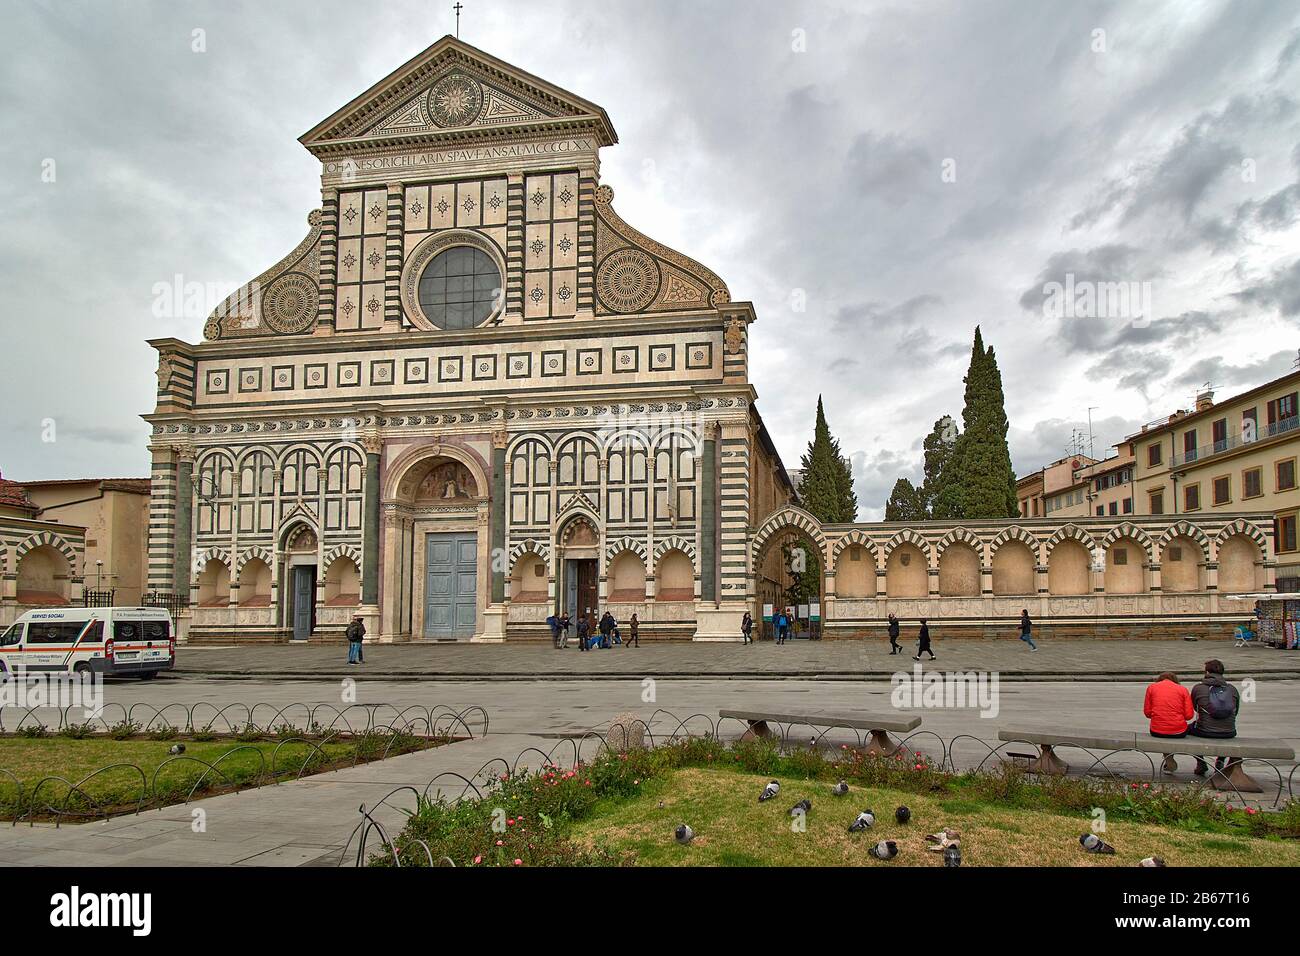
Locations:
column 902, row 815
column 803, row 806
column 770, row 791
column 840, row 789
column 884, row 850
column 1095, row 844
column 684, row 834
column 864, row 821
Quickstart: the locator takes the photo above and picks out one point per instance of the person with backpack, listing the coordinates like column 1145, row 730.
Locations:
column 747, row 628
column 356, row 633
column 894, row 646
column 782, row 622
column 923, row 642
column 1217, row 704
column 1026, row 629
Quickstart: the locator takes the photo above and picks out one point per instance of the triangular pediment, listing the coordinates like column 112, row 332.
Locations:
column 454, row 91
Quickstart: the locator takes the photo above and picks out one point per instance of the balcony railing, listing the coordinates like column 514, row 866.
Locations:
column 1234, row 441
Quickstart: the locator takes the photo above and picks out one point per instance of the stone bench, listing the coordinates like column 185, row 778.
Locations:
column 879, row 728
column 1234, row 748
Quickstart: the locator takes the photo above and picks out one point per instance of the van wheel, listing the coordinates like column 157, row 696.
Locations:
column 82, row 668
column 148, row 675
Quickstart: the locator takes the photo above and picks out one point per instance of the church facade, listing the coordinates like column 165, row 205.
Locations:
column 471, row 395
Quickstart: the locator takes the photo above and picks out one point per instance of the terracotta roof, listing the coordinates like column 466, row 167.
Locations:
column 138, row 486
column 14, row 495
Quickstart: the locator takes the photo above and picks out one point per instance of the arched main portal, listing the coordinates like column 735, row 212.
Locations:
column 436, row 568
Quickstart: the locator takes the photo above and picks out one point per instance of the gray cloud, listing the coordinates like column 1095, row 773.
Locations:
column 782, row 171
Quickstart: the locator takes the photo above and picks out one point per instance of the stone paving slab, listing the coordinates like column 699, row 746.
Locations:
column 298, row 823
column 823, row 660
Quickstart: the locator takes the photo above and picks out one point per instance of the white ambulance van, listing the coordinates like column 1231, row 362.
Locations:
column 111, row 641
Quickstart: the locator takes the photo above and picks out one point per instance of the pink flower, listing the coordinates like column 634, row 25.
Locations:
column 501, row 842
column 518, row 862
column 477, row 860
column 1252, row 811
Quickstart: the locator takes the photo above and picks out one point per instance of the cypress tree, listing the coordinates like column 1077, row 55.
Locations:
column 983, row 484
column 826, row 488
column 938, row 445
column 905, row 503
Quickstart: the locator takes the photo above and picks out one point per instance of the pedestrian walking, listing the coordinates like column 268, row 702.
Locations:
column 356, row 633
column 923, row 642
column 894, row 646
column 1026, row 629
column 747, row 629
column 782, row 622
column 633, row 632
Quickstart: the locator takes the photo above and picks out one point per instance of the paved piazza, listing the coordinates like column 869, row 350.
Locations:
column 1080, row 660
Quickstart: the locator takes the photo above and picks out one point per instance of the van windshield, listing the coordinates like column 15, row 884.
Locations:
column 13, row 635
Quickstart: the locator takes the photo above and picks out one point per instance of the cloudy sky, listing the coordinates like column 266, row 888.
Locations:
column 877, row 178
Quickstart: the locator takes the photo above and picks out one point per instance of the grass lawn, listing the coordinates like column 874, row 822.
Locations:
column 31, row 760
column 733, row 829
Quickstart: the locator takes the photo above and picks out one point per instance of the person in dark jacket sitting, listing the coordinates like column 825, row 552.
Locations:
column 1217, row 704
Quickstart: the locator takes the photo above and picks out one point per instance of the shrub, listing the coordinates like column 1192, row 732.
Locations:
column 124, row 729
column 163, row 732
column 78, row 731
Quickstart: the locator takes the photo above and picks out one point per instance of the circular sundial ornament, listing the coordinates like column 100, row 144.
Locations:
column 628, row 280
column 289, row 303
column 455, row 100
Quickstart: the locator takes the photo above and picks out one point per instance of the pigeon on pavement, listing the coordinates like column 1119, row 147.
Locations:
column 865, row 820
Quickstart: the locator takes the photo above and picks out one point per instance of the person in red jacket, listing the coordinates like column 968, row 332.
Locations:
column 1168, row 705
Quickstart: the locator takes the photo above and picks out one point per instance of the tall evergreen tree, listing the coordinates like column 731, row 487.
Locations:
column 983, row 484
column 905, row 503
column 938, row 447
column 826, row 488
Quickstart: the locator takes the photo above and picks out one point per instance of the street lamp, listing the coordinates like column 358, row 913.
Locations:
column 99, row 575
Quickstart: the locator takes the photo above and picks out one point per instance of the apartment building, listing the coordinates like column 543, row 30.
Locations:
column 1237, row 455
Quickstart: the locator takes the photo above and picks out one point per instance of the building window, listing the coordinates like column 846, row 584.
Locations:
column 1284, row 533
column 1157, row 502
column 1222, row 490
column 1189, row 445
column 1155, row 454
column 459, row 288
column 1282, row 414
column 1114, row 507
column 1219, row 433
column 1128, row 506
column 1192, row 498
column 1286, row 475
column 1249, row 425
column 1252, row 483
column 1120, row 555
column 1101, row 511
